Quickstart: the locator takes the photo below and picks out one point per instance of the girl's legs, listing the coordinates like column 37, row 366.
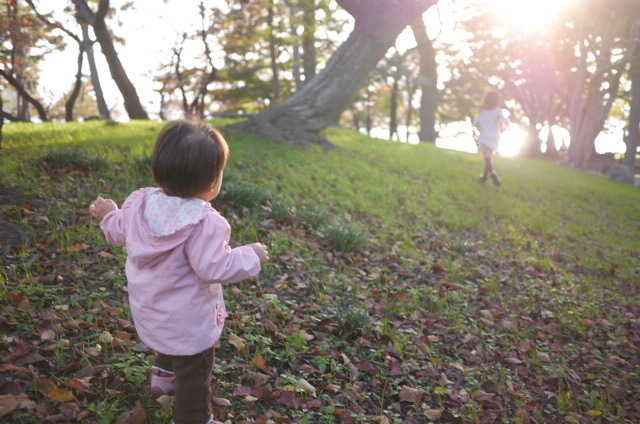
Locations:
column 193, row 387
column 488, row 168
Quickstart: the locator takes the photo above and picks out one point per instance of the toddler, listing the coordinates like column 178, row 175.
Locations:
column 178, row 258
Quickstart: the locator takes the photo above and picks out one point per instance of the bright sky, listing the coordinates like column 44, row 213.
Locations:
column 150, row 31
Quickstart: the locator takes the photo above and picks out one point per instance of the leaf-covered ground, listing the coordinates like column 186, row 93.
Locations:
column 460, row 328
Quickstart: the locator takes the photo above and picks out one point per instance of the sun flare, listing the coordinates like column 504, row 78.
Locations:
column 526, row 14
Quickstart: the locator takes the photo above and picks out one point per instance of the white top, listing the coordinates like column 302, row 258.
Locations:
column 490, row 122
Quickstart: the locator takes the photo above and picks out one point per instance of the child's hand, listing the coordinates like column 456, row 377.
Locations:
column 100, row 207
column 261, row 251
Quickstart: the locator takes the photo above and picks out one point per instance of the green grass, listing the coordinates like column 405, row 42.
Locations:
column 383, row 253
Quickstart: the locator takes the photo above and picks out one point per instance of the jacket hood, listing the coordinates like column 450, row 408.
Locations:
column 166, row 223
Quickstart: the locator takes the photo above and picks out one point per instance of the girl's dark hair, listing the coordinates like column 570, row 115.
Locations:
column 188, row 158
column 491, row 100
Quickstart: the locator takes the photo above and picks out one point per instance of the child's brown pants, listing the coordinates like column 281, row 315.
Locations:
column 193, row 385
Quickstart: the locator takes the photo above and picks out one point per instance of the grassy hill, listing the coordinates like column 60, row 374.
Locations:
column 400, row 290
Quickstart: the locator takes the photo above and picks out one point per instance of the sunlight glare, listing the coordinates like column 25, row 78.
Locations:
column 511, row 141
column 526, row 14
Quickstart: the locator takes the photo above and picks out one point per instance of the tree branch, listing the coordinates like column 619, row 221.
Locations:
column 16, row 84
column 50, row 24
column 85, row 11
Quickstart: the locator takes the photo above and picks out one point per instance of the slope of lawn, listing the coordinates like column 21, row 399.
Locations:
column 400, row 289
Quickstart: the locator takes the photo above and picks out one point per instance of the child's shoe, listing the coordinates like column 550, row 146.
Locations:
column 163, row 382
column 483, row 178
column 495, row 178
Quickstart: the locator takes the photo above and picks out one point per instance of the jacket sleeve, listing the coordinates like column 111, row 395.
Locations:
column 114, row 223
column 211, row 257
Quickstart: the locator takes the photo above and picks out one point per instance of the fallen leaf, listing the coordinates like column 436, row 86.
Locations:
column 242, row 391
column 136, row 416
column 306, row 386
column 77, row 247
column 47, row 335
column 106, row 254
column 481, row 395
column 513, row 361
column 166, row 403
column 433, row 414
column 237, row 341
column 409, row 394
column 74, row 383
column 290, row 399
column 8, row 404
column 60, row 395
column 543, row 357
column 221, row 401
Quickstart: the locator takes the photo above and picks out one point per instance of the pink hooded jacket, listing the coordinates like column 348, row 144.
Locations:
column 177, row 258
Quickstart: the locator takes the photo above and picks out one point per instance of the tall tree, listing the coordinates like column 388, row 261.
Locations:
column 309, row 39
column 24, row 40
column 633, row 138
column 73, row 96
column 428, row 81
column 103, row 109
column 600, row 66
column 97, row 21
column 321, row 102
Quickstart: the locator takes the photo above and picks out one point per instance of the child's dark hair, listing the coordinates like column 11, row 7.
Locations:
column 491, row 100
column 188, row 158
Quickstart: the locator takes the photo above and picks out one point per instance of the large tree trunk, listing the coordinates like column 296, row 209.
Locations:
column 96, row 20
column 634, row 110
column 593, row 97
column 428, row 82
column 323, row 99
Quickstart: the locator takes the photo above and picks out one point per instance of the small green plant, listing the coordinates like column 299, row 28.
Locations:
column 352, row 321
column 280, row 210
column 344, row 238
column 242, row 194
column 313, row 217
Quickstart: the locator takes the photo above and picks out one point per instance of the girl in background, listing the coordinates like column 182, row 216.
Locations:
column 178, row 258
column 490, row 122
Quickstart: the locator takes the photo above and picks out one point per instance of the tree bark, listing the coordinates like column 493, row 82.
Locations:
column 1, row 119
column 103, row 109
column 634, row 110
column 323, row 99
column 309, row 40
column 71, row 101
column 273, row 53
column 23, row 92
column 592, row 100
column 295, row 45
column 393, row 112
column 428, row 80
column 96, row 20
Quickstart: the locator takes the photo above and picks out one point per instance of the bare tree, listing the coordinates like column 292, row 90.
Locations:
column 97, row 21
